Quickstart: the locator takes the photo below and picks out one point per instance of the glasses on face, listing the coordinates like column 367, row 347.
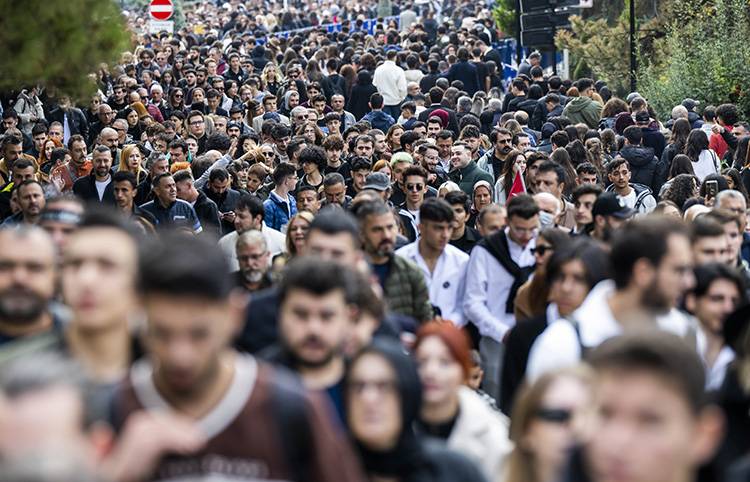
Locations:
column 414, row 187
column 178, row 96
column 196, row 123
column 555, row 415
column 269, row 154
column 541, row 250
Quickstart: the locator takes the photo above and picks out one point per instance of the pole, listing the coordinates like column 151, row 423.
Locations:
column 633, row 81
column 518, row 33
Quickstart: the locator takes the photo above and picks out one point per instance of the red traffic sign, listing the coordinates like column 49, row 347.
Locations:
column 161, row 9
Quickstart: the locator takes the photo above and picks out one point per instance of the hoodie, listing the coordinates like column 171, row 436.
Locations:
column 645, row 168
column 583, row 109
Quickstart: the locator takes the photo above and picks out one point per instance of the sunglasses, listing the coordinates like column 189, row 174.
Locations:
column 541, row 250
column 554, row 415
column 414, row 187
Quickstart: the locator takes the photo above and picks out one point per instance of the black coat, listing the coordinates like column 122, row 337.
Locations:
column 225, row 203
column 645, row 167
column 518, row 345
column 359, row 99
column 76, row 120
column 85, row 188
column 467, row 73
column 208, row 214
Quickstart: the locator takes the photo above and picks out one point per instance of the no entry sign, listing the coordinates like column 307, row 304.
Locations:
column 161, row 9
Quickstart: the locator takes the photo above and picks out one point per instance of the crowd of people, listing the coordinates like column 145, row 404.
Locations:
column 348, row 255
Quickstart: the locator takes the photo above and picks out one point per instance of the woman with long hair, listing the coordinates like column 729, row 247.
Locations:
column 296, row 239
column 561, row 156
column 45, row 155
column 271, row 77
column 681, row 188
column 532, row 296
column 681, row 164
column 451, row 411
column 311, row 132
column 383, row 398
column 734, row 180
column 176, row 101
column 393, row 137
column 613, row 107
column 571, row 272
column 705, row 161
column 131, row 160
column 550, row 417
column 515, row 162
column 677, row 141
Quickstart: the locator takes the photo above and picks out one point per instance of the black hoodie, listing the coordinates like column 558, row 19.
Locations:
column 645, row 168
column 360, row 96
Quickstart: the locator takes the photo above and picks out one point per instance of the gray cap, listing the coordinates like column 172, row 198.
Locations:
column 377, row 181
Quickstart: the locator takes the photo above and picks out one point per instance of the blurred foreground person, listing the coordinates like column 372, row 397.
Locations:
column 256, row 420
column 383, row 399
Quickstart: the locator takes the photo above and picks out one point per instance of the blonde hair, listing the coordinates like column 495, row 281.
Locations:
column 125, row 166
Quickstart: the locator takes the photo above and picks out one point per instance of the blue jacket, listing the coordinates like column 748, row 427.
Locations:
column 379, row 120
column 277, row 212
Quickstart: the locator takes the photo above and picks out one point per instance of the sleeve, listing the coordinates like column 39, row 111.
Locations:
column 268, row 215
column 334, row 459
column 475, row 299
column 222, row 162
column 18, row 107
column 730, row 139
column 557, row 347
column 402, row 85
column 422, row 306
column 197, row 228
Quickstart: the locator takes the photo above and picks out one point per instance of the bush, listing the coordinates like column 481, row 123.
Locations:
column 703, row 57
column 59, row 43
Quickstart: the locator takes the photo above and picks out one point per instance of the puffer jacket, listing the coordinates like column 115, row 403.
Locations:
column 645, row 167
column 405, row 290
column 278, row 213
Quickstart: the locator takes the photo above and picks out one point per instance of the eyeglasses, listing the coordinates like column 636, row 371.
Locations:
column 414, row 187
column 197, row 123
column 541, row 250
column 178, row 96
column 269, row 154
column 554, row 415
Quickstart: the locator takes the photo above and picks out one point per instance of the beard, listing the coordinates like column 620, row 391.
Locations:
column 253, row 276
column 654, row 299
column 300, row 360
column 21, row 306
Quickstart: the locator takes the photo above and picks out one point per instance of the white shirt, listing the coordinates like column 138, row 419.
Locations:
column 715, row 373
column 390, row 80
column 707, row 164
column 275, row 242
column 558, row 346
column 446, row 283
column 487, row 288
column 101, row 186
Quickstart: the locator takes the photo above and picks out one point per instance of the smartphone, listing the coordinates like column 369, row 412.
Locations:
column 712, row 188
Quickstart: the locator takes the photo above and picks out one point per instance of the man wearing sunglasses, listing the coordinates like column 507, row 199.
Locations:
column 493, row 160
column 415, row 182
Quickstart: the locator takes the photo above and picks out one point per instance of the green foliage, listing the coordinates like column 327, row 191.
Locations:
column 598, row 49
column 504, row 14
column 703, row 56
column 59, row 43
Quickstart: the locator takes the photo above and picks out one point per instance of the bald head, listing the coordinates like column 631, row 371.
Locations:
column 548, row 202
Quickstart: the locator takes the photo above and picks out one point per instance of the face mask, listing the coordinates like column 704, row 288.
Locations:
column 546, row 219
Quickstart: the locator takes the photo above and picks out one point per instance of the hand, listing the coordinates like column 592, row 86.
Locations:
column 717, row 129
column 233, row 148
column 229, row 217
column 145, row 439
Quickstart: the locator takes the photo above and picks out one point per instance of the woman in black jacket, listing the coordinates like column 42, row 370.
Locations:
column 383, row 398
column 359, row 101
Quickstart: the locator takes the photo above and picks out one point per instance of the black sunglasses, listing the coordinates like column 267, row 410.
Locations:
column 554, row 415
column 541, row 250
column 414, row 187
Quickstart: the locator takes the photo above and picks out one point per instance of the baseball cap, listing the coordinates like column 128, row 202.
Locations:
column 632, row 96
column 609, row 204
column 377, row 181
column 690, row 104
column 642, row 117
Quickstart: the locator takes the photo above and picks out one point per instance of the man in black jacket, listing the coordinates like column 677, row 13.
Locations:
column 97, row 186
column 645, row 167
column 219, row 190
column 72, row 119
column 206, row 209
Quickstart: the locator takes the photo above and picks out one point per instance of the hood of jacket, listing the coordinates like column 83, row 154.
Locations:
column 579, row 104
column 638, row 156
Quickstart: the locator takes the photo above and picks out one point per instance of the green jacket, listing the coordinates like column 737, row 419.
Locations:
column 584, row 109
column 470, row 175
column 406, row 291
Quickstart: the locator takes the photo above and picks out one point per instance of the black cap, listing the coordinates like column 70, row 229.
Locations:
column 609, row 204
column 690, row 104
column 377, row 181
column 642, row 117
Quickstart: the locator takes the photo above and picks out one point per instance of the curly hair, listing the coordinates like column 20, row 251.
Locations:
column 681, row 188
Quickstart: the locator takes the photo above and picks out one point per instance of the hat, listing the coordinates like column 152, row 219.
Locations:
column 272, row 115
column 377, row 181
column 234, row 124
column 690, row 104
column 401, row 157
column 642, row 117
column 632, row 96
column 442, row 115
column 734, row 325
column 609, row 204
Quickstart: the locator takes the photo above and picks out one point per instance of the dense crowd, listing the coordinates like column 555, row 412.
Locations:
column 272, row 249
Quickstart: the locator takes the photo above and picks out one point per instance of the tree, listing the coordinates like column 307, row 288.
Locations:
column 702, row 56
column 59, row 44
column 504, row 14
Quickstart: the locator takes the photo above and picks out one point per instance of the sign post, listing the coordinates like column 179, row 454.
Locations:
column 161, row 11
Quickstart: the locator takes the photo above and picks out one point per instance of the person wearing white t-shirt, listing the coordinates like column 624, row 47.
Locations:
column 651, row 271
column 633, row 195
